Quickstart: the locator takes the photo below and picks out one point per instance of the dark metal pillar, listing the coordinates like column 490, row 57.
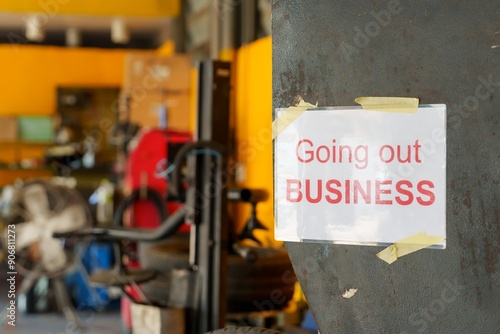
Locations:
column 210, row 228
column 331, row 52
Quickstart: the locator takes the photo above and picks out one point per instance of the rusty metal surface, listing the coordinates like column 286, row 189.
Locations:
column 441, row 52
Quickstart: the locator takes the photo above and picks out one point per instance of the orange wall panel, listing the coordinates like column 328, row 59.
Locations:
column 253, row 125
column 49, row 8
column 29, row 75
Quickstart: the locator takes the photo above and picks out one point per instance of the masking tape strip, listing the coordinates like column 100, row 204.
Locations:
column 409, row 245
column 390, row 104
column 290, row 115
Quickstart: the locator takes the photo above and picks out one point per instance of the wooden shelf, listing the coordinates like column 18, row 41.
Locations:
column 15, row 151
column 9, row 176
column 26, row 143
column 15, row 170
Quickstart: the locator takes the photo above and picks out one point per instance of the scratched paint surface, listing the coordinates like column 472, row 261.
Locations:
column 441, row 52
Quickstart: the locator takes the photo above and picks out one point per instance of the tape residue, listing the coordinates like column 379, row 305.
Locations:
column 390, row 104
column 290, row 115
column 408, row 245
column 349, row 293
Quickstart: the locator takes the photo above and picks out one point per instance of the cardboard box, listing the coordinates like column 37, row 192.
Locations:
column 8, row 128
column 155, row 320
column 146, row 111
column 147, row 72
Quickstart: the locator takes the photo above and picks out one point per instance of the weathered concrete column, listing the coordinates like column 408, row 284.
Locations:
column 331, row 52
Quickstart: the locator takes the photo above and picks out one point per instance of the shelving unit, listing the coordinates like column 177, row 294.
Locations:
column 13, row 152
column 18, row 146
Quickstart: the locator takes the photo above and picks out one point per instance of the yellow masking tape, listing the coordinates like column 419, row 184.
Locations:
column 409, row 245
column 290, row 115
column 391, row 104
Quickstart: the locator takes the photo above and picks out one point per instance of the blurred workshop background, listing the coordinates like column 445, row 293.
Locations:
column 96, row 100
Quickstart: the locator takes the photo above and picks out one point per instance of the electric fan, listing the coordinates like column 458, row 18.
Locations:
column 37, row 210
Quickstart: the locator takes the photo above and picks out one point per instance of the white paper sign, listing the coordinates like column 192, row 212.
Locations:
column 351, row 176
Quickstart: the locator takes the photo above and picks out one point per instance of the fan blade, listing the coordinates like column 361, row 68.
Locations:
column 70, row 219
column 36, row 201
column 53, row 256
column 27, row 234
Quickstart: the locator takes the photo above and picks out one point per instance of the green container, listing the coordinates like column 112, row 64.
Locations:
column 35, row 128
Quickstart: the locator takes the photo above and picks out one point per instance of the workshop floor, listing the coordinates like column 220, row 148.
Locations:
column 54, row 323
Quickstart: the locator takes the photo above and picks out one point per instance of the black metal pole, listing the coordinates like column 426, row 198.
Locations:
column 210, row 215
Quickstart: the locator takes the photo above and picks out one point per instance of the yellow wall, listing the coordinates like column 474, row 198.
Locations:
column 146, row 8
column 29, row 76
column 253, row 125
